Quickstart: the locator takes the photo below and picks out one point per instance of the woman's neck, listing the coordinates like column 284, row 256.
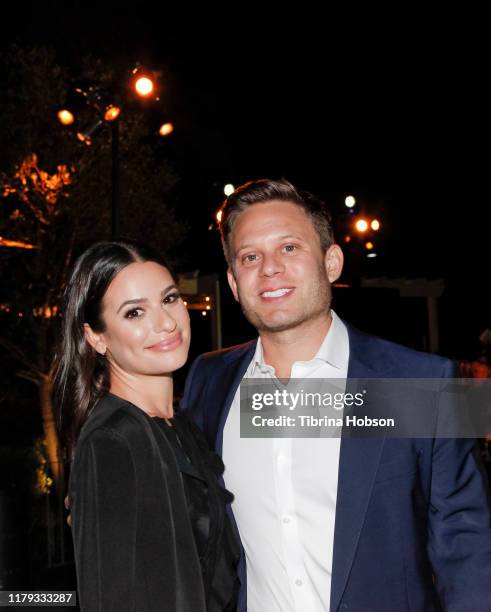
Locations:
column 152, row 394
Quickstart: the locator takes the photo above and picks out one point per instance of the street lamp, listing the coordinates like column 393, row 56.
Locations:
column 65, row 117
column 144, row 86
column 112, row 113
column 143, row 81
column 87, row 133
column 349, row 201
column 109, row 113
column 166, row 128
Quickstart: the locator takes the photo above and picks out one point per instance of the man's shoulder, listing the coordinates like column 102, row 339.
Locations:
column 403, row 360
column 212, row 358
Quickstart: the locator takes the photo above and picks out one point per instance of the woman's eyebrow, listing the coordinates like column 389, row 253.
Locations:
column 135, row 301
column 141, row 300
column 167, row 289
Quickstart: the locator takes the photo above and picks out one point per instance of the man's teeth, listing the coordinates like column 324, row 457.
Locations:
column 276, row 293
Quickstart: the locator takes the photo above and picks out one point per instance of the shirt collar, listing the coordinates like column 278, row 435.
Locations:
column 332, row 350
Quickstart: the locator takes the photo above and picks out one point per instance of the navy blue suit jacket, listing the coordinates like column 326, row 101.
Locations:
column 413, row 519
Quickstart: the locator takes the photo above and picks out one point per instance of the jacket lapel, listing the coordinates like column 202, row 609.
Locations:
column 221, row 393
column 358, row 462
column 359, row 457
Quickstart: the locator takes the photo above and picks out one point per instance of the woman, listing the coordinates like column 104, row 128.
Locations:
column 148, row 516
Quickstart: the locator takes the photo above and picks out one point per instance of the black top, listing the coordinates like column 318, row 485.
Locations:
column 149, row 523
column 215, row 542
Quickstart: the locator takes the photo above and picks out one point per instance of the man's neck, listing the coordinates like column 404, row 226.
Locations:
column 282, row 349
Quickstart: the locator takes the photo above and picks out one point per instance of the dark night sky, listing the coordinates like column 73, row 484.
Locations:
column 391, row 114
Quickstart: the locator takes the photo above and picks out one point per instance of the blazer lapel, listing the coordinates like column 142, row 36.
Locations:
column 222, row 392
column 358, row 462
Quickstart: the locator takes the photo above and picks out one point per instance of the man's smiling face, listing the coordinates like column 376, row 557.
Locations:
column 279, row 273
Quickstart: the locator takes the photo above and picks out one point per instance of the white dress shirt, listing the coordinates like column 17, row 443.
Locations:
column 285, row 495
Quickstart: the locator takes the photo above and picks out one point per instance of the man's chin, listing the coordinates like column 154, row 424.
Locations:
column 278, row 325
column 282, row 322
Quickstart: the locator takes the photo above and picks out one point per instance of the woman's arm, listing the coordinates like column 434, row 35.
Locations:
column 104, row 509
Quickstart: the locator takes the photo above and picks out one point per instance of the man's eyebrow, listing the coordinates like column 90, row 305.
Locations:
column 295, row 236
column 142, row 300
column 284, row 237
column 244, row 246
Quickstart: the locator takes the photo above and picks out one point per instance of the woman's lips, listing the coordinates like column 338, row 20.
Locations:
column 167, row 345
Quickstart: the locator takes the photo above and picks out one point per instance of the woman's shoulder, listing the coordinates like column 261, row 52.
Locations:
column 114, row 417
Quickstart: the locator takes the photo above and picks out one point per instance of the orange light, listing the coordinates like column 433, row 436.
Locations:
column 369, row 246
column 203, row 312
column 207, row 298
column 218, row 216
column 112, row 113
column 84, row 138
column 375, row 225
column 144, row 86
column 361, row 225
column 65, row 117
column 15, row 244
column 347, row 238
column 166, row 129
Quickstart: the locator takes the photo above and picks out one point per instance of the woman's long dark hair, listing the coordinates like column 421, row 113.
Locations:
column 82, row 374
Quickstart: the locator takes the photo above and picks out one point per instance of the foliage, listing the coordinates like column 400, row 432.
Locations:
column 56, row 195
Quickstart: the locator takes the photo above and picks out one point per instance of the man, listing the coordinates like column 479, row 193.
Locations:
column 332, row 524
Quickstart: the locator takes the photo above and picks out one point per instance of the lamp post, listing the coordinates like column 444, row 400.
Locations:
column 115, row 182
column 108, row 112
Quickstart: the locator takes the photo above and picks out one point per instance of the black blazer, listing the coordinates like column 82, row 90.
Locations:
column 134, row 544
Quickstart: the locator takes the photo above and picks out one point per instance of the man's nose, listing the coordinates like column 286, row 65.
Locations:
column 272, row 264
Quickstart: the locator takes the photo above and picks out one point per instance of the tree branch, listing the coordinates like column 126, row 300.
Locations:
column 28, row 376
column 19, row 356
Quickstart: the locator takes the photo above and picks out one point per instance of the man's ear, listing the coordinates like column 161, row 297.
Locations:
column 95, row 340
column 333, row 261
column 232, row 283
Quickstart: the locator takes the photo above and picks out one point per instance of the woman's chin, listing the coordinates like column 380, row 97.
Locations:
column 169, row 364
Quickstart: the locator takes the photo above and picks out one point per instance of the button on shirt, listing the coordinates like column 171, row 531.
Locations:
column 285, row 495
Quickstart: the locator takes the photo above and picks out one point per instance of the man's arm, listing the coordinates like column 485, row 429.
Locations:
column 460, row 524
column 188, row 402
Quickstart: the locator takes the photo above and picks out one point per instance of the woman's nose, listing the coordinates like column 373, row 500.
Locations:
column 165, row 321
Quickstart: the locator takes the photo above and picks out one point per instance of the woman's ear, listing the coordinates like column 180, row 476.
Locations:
column 95, row 340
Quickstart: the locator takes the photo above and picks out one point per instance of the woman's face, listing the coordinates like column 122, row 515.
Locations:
column 147, row 324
